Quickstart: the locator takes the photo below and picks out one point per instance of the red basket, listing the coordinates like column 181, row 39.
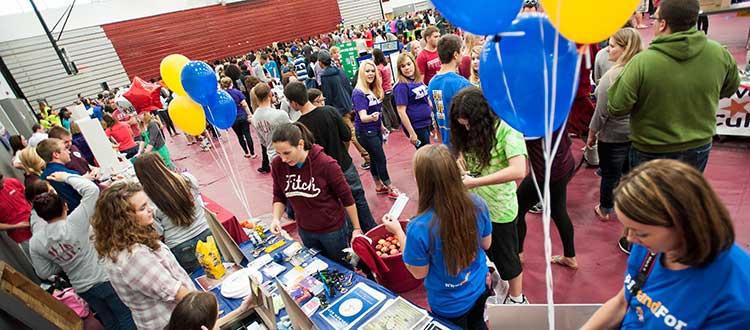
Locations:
column 398, row 279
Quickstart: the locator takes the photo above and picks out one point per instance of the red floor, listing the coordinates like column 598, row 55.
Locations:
column 601, row 263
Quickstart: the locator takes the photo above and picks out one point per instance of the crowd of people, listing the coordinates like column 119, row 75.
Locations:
column 470, row 226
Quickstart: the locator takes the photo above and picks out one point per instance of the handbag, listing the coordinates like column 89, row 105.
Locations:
column 71, row 299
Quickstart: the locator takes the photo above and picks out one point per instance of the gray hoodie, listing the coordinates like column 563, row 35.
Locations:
column 266, row 120
column 65, row 245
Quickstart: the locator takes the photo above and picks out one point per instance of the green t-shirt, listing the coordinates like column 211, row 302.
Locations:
column 501, row 198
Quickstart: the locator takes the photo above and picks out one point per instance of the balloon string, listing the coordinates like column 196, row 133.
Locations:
column 242, row 196
column 232, row 177
column 242, row 190
column 505, row 79
column 217, row 157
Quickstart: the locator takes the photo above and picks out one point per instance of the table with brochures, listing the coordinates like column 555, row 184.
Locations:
column 363, row 304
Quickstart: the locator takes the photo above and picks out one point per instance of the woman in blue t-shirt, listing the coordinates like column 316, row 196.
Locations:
column 685, row 270
column 367, row 100
column 445, row 242
column 410, row 95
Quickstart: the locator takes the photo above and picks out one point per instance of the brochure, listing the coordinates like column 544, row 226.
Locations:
column 352, row 307
column 397, row 314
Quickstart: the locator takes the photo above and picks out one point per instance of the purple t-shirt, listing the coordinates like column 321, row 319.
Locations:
column 238, row 98
column 414, row 96
column 369, row 102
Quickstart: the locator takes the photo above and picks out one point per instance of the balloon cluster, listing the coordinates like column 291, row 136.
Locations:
column 198, row 97
column 528, row 74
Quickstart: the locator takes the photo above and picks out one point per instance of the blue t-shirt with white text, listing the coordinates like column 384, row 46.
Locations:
column 448, row 296
column 371, row 104
column 441, row 89
column 716, row 296
column 414, row 96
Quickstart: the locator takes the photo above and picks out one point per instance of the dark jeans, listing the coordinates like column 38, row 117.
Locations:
column 265, row 164
column 129, row 153
column 473, row 319
column 696, row 157
column 366, row 221
column 241, row 128
column 423, row 135
column 167, row 121
column 527, row 197
column 372, row 141
column 329, row 244
column 613, row 161
column 185, row 252
column 703, row 23
column 109, row 309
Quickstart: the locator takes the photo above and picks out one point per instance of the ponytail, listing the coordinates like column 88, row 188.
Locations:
column 292, row 133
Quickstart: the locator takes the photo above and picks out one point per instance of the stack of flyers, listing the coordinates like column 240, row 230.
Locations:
column 397, row 314
column 352, row 307
column 272, row 270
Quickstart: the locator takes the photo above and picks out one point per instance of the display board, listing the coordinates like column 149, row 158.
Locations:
column 349, row 58
column 733, row 114
column 100, row 146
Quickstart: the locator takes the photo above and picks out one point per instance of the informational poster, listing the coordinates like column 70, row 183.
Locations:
column 100, row 146
column 733, row 115
column 349, row 58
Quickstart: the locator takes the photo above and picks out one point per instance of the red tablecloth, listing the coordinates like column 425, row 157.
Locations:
column 228, row 220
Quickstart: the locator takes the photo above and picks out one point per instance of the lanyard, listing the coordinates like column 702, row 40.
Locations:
column 645, row 270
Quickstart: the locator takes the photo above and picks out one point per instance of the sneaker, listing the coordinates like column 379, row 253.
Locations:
column 393, row 193
column 264, row 170
column 536, row 209
column 510, row 301
column 381, row 191
column 624, row 245
column 365, row 165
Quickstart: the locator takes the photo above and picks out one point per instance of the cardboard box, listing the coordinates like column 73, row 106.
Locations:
column 709, row 5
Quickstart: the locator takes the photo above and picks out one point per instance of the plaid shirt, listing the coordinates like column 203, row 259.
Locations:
column 147, row 282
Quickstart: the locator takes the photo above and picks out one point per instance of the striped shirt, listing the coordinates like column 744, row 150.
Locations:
column 301, row 67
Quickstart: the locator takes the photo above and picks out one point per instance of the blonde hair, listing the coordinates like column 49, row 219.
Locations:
column 471, row 41
column 374, row 88
column 401, row 60
column 31, row 161
column 334, row 50
column 474, row 77
column 630, row 40
column 225, row 82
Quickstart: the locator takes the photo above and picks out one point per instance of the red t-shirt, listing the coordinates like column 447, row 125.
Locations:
column 122, row 134
column 14, row 209
column 124, row 117
column 428, row 64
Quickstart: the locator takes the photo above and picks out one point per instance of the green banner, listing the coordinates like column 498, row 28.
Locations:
column 349, row 58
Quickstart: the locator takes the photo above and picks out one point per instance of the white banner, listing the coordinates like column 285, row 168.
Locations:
column 733, row 116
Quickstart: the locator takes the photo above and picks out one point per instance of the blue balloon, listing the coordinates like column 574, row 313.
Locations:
column 481, row 17
column 222, row 111
column 199, row 81
column 514, row 83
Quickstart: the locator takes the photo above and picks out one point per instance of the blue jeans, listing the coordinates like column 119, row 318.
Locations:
column 372, row 141
column 329, row 244
column 696, row 157
column 185, row 252
column 108, row 307
column 366, row 220
column 613, row 161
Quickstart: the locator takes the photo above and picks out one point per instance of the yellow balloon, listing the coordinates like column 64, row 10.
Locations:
column 171, row 68
column 589, row 21
column 187, row 115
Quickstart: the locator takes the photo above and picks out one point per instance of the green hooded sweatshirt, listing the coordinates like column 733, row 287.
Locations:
column 671, row 91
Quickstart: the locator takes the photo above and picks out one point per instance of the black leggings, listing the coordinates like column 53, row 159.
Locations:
column 167, row 121
column 241, row 127
column 527, row 197
column 703, row 23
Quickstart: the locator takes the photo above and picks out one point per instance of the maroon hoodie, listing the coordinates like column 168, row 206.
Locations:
column 317, row 192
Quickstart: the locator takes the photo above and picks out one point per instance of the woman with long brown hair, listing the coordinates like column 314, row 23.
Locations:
column 445, row 242
column 140, row 267
column 179, row 209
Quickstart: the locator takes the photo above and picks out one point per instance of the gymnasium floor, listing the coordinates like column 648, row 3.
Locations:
column 601, row 263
